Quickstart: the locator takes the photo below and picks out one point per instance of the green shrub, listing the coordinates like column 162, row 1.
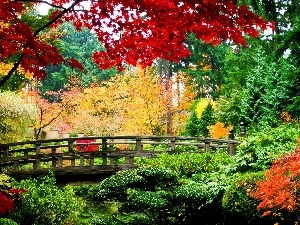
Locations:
column 257, row 152
column 156, row 196
column 123, row 220
column 16, row 117
column 237, row 201
column 44, row 203
column 188, row 164
column 5, row 221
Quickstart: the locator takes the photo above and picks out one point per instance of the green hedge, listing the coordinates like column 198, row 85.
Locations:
column 44, row 203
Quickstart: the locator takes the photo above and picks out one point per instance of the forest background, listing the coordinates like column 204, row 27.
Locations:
column 205, row 94
column 254, row 84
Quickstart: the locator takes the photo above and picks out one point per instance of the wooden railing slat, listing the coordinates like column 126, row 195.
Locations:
column 63, row 153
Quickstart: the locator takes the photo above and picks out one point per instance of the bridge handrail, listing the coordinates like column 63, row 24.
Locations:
column 39, row 151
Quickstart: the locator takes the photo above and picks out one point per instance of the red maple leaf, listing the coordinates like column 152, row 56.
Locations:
column 132, row 31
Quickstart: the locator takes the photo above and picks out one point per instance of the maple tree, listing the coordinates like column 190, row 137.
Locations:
column 131, row 31
column 48, row 114
column 279, row 192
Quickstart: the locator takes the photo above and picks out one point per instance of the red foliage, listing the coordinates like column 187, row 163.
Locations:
column 280, row 190
column 75, row 64
column 132, row 31
column 87, row 147
column 6, row 203
column 7, row 200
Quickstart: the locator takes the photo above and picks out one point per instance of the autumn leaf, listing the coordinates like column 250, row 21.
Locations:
column 132, row 31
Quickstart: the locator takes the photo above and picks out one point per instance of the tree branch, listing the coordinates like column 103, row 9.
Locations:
column 12, row 70
column 45, row 2
column 64, row 11
column 17, row 64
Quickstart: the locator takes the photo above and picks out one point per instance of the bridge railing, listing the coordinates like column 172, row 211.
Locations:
column 99, row 151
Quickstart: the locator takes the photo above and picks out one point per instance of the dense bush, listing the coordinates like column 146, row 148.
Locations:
column 44, row 203
column 8, row 195
column 157, row 196
column 257, row 152
column 5, row 221
column 16, row 117
column 187, row 164
column 278, row 194
column 237, row 200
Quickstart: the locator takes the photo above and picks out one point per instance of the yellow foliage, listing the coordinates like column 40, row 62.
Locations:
column 135, row 103
column 202, row 104
column 219, row 131
column 182, row 97
column 6, row 67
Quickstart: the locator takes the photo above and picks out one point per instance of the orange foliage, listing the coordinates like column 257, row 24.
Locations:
column 285, row 117
column 48, row 113
column 219, row 130
column 279, row 192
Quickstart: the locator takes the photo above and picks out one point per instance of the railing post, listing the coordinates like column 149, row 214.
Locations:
column 4, row 148
column 104, row 159
column 38, row 148
column 112, row 161
column 53, row 151
column 231, row 145
column 3, row 153
column 81, row 155
column 172, row 144
column 70, row 145
column 111, row 146
column 139, row 146
column 207, row 145
column 104, row 144
column 37, row 163
column 92, row 161
column 231, row 135
column 131, row 160
column 16, row 165
column 59, row 161
column 200, row 148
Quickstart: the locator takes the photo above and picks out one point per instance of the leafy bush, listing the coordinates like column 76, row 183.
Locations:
column 187, row 164
column 8, row 195
column 157, row 196
column 5, row 221
column 116, row 186
column 16, row 117
column 237, row 200
column 278, row 194
column 44, row 203
column 257, row 152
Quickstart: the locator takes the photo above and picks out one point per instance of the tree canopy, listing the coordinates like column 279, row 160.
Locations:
column 132, row 31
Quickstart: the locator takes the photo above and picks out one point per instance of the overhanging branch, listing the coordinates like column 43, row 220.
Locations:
column 58, row 16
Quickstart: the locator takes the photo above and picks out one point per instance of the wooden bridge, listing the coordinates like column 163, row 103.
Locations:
column 94, row 158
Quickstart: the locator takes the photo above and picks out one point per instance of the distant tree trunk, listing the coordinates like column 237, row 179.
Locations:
column 166, row 73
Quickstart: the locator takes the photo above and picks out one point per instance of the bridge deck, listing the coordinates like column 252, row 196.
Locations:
column 95, row 156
